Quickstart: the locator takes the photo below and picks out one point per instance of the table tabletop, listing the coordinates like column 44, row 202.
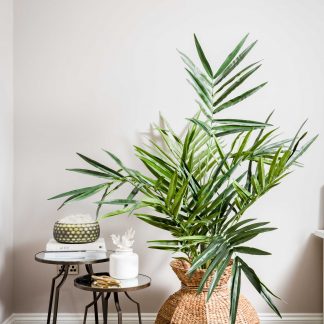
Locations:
column 140, row 282
column 71, row 257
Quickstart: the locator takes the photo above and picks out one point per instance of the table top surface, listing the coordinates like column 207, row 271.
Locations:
column 140, row 282
column 319, row 233
column 75, row 257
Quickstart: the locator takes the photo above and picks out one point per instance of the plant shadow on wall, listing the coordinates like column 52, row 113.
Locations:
column 200, row 185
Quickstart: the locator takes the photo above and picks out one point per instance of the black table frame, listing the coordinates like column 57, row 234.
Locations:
column 104, row 299
column 64, row 273
column 105, row 294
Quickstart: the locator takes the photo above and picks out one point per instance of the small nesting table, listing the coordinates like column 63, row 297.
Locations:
column 84, row 282
column 81, row 257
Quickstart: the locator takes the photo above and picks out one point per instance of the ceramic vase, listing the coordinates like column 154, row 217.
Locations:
column 123, row 264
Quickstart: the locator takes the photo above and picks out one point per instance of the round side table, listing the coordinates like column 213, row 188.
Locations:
column 85, row 283
column 66, row 259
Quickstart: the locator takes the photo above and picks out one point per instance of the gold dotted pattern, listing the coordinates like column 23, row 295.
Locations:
column 76, row 233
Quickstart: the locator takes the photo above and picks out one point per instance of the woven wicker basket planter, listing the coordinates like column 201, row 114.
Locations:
column 76, row 233
column 188, row 307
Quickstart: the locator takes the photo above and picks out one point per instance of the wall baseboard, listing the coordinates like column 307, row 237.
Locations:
column 292, row 318
column 9, row 320
column 148, row 318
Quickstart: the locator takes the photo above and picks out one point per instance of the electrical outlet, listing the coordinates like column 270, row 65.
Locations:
column 73, row 269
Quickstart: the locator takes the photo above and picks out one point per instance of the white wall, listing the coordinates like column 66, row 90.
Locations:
column 6, row 160
column 95, row 74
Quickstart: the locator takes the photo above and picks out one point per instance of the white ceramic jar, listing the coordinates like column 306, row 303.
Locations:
column 123, row 264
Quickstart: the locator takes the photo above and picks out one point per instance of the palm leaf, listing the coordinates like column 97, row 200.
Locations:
column 235, row 289
column 100, row 166
column 236, row 84
column 234, row 63
column 239, row 98
column 257, row 284
column 203, row 58
column 230, row 57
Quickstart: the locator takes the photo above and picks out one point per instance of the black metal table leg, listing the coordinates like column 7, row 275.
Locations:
column 95, row 304
column 59, row 279
column 49, row 313
column 105, row 307
column 88, row 306
column 138, row 307
column 57, row 292
column 119, row 311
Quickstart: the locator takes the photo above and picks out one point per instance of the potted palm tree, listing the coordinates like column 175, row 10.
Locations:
column 199, row 187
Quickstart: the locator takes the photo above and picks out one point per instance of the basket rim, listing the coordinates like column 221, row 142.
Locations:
column 94, row 222
column 179, row 264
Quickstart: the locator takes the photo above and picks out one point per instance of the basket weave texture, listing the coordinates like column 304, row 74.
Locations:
column 187, row 307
